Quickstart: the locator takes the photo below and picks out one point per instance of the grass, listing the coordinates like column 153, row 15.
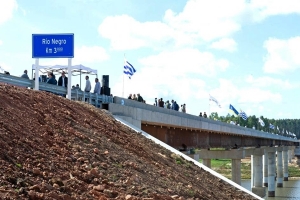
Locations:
column 223, row 167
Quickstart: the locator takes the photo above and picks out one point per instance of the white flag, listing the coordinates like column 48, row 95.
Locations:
column 211, row 98
column 262, row 123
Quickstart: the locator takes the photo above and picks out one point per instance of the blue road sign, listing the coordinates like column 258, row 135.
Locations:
column 53, row 45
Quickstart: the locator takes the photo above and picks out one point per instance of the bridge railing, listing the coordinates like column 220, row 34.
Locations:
column 76, row 94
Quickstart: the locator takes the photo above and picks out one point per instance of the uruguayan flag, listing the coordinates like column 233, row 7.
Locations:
column 128, row 69
column 243, row 115
column 272, row 126
column 262, row 123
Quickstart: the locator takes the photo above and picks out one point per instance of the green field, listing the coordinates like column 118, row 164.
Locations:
column 223, row 166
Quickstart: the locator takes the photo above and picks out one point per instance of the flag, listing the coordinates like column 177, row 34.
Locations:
column 272, row 126
column 262, row 123
column 243, row 115
column 211, row 98
column 233, row 110
column 128, row 69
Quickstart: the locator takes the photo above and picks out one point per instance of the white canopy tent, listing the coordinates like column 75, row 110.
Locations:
column 75, row 70
column 69, row 69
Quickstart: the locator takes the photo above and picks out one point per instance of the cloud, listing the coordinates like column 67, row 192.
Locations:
column 282, row 56
column 84, row 55
column 6, row 10
column 227, row 44
column 269, row 82
column 185, row 61
column 261, row 9
column 252, row 95
column 199, row 22
column 127, row 33
column 4, row 67
column 204, row 20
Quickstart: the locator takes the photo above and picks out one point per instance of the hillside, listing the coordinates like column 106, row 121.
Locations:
column 53, row 148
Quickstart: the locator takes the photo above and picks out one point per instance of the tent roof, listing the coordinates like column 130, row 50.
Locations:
column 75, row 68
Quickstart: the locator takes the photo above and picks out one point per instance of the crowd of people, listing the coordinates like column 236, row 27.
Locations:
column 173, row 105
column 63, row 81
column 160, row 103
column 136, row 97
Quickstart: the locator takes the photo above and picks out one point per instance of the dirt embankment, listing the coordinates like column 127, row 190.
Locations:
column 53, row 148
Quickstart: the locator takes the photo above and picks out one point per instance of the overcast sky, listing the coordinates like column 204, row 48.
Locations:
column 242, row 52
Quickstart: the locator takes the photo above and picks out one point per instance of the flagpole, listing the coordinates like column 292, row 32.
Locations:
column 123, row 78
column 123, row 87
column 208, row 108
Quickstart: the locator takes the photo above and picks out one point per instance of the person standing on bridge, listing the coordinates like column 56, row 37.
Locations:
column 87, row 84
column 183, row 108
column 97, row 86
column 63, row 81
column 51, row 79
column 25, row 74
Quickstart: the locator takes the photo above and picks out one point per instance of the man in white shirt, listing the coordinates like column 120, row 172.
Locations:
column 87, row 84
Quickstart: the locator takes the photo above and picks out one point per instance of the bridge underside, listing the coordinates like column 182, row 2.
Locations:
column 197, row 138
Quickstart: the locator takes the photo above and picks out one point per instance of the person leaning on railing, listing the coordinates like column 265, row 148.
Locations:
column 51, row 79
column 25, row 74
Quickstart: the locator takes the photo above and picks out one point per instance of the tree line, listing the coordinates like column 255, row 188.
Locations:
column 284, row 125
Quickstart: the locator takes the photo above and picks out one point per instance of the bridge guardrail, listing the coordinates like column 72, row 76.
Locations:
column 76, row 94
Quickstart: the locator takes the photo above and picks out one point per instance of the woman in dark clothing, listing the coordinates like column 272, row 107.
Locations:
column 51, row 79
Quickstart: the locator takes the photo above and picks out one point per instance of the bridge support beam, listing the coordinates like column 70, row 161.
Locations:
column 265, row 168
column 285, row 164
column 271, row 171
column 279, row 167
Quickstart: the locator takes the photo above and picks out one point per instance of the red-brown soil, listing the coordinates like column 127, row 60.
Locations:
column 54, row 148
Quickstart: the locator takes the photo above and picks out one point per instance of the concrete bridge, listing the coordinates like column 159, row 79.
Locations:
column 176, row 128
column 267, row 151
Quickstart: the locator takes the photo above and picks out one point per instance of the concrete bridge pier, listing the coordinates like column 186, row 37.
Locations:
column 234, row 154
column 236, row 170
column 285, row 164
column 207, row 162
column 291, row 153
column 256, row 170
column 257, row 175
column 265, row 168
column 271, row 171
column 279, row 167
column 194, row 156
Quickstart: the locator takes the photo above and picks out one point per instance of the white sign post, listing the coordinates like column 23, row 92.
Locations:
column 69, row 77
column 37, row 70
